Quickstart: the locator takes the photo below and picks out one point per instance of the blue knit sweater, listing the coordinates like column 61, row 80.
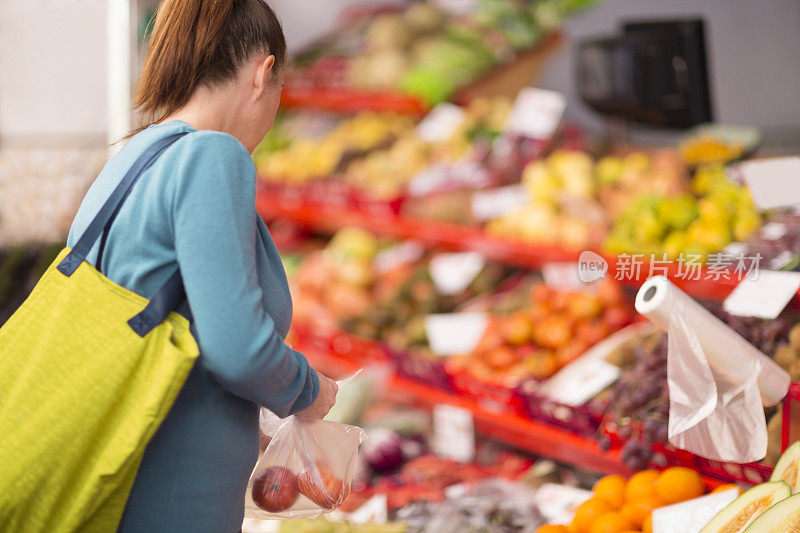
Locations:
column 195, row 209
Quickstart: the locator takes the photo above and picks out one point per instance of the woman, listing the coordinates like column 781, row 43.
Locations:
column 214, row 69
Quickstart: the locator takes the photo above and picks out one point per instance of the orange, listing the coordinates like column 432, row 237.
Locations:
column 678, row 484
column 588, row 512
column 637, row 511
column 611, row 523
column 550, row 528
column 641, row 485
column 611, row 489
column 728, row 486
column 647, row 527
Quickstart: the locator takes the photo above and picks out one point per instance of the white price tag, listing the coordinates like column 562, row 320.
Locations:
column 455, row 333
column 558, row 503
column 536, row 113
column 453, row 433
column 562, row 276
column 457, row 7
column 495, row 203
column 773, row 182
column 440, row 124
column 401, row 254
column 691, row 515
column 765, row 296
column 581, row 380
column 774, row 230
column 374, row 511
column 735, row 249
column 452, row 273
column 429, row 180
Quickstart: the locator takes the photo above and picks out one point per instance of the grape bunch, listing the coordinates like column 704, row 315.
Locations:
column 638, row 411
column 764, row 334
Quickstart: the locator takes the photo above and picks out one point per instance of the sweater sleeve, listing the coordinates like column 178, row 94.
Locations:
column 214, row 224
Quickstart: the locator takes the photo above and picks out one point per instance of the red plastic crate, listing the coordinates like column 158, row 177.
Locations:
column 583, row 419
column 492, row 396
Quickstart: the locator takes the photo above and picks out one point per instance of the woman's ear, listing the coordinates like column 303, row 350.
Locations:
column 263, row 74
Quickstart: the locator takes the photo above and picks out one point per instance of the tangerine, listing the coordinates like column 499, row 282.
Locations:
column 678, row 484
column 552, row 528
column 641, row 485
column 637, row 511
column 647, row 527
column 612, row 522
column 588, row 512
column 727, row 486
column 611, row 489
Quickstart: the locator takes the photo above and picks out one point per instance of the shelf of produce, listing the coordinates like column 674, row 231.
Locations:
column 442, row 235
column 525, row 434
column 505, row 79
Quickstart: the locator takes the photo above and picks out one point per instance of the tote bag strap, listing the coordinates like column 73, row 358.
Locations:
column 171, row 295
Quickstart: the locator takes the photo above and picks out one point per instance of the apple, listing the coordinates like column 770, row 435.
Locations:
column 321, row 486
column 275, row 489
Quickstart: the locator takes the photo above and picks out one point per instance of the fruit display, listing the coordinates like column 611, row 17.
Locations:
column 309, row 146
column 571, row 200
column 386, row 173
column 335, row 284
column 777, row 242
column 547, row 332
column 405, row 297
column 747, row 508
column 770, row 507
column 620, row 505
column 638, row 409
column 706, row 149
column 425, row 50
column 703, row 223
column 322, row 525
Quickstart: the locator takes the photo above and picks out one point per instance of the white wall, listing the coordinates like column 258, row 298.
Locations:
column 52, row 69
column 753, row 55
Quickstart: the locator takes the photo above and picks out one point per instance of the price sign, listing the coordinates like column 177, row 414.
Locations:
column 562, row 276
column 773, row 182
column 452, row 273
column 455, row 333
column 440, row 124
column 453, row 433
column 495, row 203
column 536, row 113
column 580, row 381
column 692, row 515
column 401, row 254
column 558, row 503
column 773, row 231
column 374, row 511
column 763, row 297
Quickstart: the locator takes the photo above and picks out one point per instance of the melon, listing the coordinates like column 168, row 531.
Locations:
column 783, row 517
column 746, row 508
column 788, row 468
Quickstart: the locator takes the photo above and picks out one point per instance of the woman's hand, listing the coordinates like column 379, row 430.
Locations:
column 325, row 400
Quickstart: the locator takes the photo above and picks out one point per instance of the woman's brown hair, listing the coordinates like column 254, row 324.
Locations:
column 202, row 42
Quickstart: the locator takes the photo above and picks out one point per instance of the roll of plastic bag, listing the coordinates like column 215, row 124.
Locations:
column 718, row 382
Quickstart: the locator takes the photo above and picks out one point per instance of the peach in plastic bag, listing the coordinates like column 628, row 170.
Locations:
column 306, row 469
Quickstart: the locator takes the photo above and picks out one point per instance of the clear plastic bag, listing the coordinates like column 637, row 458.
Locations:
column 306, row 469
column 718, row 382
